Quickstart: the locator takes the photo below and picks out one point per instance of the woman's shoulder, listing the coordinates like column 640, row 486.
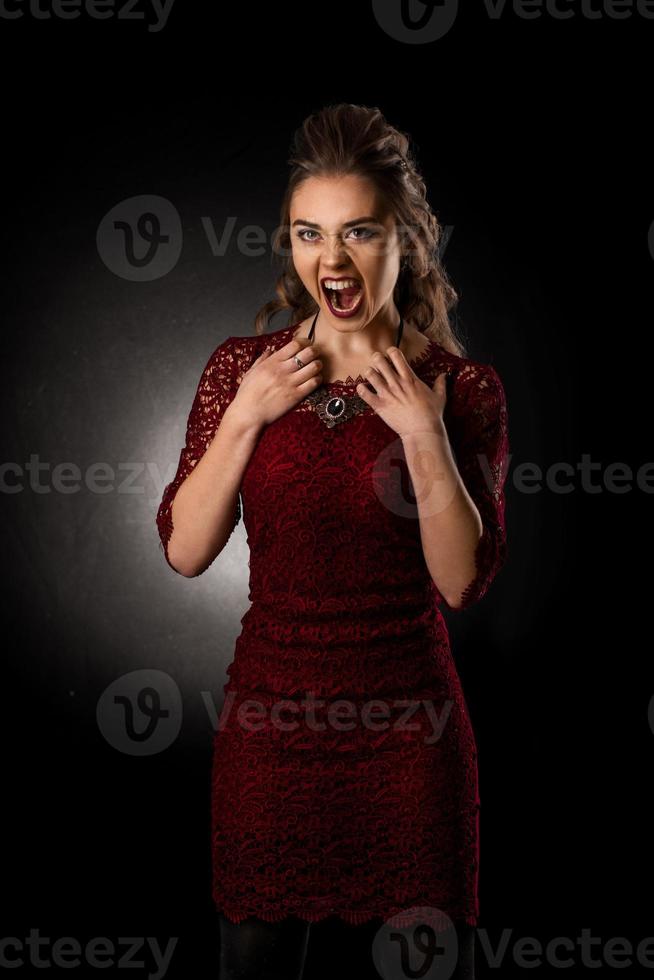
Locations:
column 466, row 370
column 256, row 343
column 470, row 381
column 247, row 348
column 244, row 348
column 236, row 354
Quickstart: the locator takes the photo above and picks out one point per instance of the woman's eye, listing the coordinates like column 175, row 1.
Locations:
column 368, row 233
column 306, row 231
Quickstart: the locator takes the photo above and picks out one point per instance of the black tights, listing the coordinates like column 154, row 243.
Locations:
column 254, row 948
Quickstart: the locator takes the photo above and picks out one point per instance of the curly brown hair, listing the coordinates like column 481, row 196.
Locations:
column 348, row 139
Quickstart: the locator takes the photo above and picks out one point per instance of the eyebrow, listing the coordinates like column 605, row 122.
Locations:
column 346, row 224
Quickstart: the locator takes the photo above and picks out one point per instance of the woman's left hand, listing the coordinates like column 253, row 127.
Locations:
column 402, row 400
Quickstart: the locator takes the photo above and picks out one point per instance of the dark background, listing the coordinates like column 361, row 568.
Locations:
column 532, row 135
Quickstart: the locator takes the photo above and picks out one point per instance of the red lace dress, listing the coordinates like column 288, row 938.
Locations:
column 345, row 765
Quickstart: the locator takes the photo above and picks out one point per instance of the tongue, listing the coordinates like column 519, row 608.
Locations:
column 348, row 295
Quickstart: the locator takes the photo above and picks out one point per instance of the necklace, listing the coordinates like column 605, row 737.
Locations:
column 333, row 409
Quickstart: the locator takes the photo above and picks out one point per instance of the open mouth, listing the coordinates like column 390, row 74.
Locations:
column 344, row 299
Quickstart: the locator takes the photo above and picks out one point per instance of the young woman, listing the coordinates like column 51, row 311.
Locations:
column 370, row 457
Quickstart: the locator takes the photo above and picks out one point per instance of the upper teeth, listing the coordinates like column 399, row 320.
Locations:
column 340, row 283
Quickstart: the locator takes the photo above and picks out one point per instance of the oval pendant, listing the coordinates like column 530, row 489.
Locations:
column 335, row 407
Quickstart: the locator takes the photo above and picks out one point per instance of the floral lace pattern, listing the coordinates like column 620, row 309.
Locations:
column 476, row 419
column 216, row 389
column 361, row 820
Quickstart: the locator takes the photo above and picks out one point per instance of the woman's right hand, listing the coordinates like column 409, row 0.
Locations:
column 274, row 383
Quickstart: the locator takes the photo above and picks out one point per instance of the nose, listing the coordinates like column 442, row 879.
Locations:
column 335, row 250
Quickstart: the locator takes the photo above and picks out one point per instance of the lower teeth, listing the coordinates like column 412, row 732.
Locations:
column 336, row 302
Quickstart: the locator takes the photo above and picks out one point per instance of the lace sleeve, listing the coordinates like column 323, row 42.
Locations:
column 481, row 446
column 215, row 391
